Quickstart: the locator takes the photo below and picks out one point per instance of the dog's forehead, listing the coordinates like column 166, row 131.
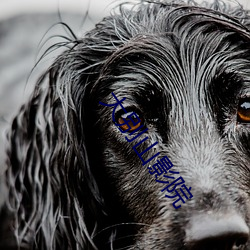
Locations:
column 188, row 54
column 182, row 60
column 186, row 65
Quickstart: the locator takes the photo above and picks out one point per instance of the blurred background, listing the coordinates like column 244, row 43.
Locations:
column 25, row 27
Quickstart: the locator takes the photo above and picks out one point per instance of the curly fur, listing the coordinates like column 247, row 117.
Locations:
column 75, row 183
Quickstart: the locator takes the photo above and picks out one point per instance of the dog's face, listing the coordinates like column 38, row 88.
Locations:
column 188, row 79
column 185, row 72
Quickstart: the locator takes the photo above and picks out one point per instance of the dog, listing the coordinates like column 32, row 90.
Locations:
column 74, row 181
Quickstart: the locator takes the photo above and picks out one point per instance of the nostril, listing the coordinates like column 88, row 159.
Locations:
column 241, row 241
column 223, row 242
column 217, row 232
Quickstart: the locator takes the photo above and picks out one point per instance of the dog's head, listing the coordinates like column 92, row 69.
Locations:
column 185, row 72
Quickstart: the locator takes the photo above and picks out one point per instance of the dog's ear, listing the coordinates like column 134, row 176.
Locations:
column 52, row 191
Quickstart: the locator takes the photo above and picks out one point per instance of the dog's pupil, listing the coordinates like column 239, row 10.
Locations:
column 128, row 117
column 245, row 105
column 244, row 111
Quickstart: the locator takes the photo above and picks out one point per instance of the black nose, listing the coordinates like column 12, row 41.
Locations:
column 216, row 232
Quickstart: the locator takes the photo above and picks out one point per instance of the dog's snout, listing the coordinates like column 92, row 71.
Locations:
column 222, row 232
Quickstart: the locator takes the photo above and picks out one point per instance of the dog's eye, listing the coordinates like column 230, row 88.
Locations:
column 243, row 113
column 130, row 119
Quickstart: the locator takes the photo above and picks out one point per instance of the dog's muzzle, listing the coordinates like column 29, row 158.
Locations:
column 217, row 232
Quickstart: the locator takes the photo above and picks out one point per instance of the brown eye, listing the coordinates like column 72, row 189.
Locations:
column 243, row 113
column 130, row 120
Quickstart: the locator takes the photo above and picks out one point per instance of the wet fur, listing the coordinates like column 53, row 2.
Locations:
column 76, row 183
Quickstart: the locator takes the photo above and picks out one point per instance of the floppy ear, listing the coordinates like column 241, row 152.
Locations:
column 52, row 191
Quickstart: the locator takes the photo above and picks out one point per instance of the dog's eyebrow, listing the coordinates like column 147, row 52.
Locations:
column 143, row 65
column 227, row 80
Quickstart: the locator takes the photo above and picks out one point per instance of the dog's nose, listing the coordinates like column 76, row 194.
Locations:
column 211, row 232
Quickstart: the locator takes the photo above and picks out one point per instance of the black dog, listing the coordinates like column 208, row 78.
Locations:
column 76, row 183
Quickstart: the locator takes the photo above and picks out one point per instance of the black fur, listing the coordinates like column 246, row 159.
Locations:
column 76, row 183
